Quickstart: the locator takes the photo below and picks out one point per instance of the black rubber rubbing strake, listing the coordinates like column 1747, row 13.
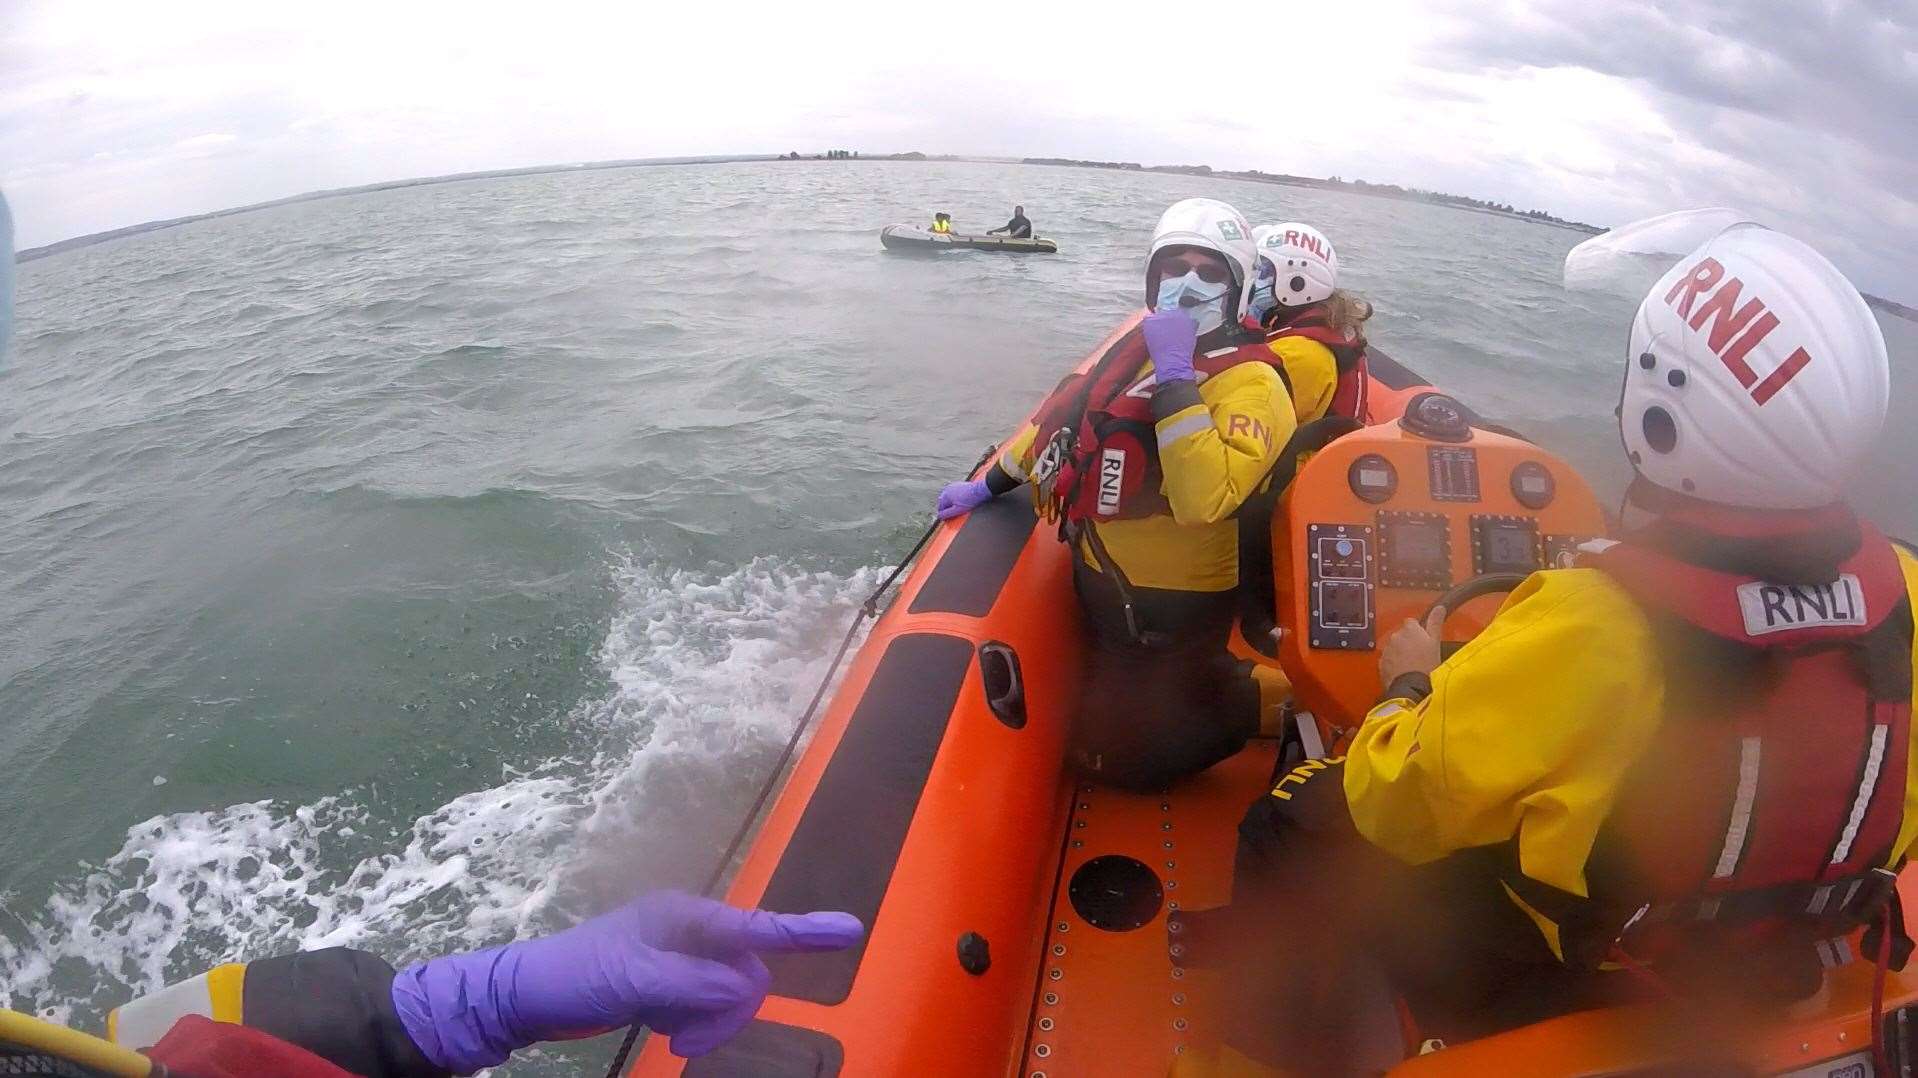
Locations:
column 842, row 854
column 1389, row 372
column 771, row 1050
column 973, row 570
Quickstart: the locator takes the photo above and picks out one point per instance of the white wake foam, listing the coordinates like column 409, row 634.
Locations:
column 709, row 670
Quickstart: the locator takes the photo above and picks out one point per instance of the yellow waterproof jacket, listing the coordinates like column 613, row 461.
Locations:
column 1214, row 453
column 1313, row 372
column 1528, row 732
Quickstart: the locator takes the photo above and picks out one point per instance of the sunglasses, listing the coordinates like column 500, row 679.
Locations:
column 1210, row 267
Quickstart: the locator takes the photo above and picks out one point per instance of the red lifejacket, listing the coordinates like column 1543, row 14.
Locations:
column 199, row 1047
column 1349, row 400
column 1105, row 465
column 1777, row 782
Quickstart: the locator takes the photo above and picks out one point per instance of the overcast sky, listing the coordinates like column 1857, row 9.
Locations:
column 1804, row 113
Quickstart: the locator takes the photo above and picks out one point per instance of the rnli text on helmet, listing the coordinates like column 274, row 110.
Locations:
column 1314, row 244
column 1728, row 323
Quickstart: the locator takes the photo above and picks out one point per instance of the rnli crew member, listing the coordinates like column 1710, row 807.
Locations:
column 688, row 968
column 1314, row 327
column 1145, row 460
column 1018, row 228
column 942, row 224
column 1691, row 752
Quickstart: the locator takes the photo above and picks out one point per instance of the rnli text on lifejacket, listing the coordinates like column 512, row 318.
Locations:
column 1770, row 608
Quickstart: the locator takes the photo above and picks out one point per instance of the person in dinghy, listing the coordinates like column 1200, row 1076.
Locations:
column 1679, row 769
column 1146, row 460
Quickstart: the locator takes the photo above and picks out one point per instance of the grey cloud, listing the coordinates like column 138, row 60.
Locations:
column 1848, row 66
column 1811, row 110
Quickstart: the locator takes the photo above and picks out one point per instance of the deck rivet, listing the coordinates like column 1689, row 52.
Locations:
column 1178, row 999
column 1178, row 950
column 1052, row 998
column 1038, row 1074
column 1841, row 1036
column 1179, row 1050
column 1045, row 1024
column 1056, row 973
column 1806, row 1047
column 1168, row 845
column 1165, row 806
column 1084, row 805
column 1166, row 826
column 1172, row 906
column 1079, row 823
column 1170, row 865
column 1076, row 844
column 1059, row 949
column 1175, row 927
column 1170, row 884
column 1179, row 1024
column 1064, row 927
column 1178, row 974
column 1042, row 1050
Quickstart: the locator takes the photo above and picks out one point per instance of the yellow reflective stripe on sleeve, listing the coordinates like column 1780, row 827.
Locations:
column 215, row 994
column 1010, row 465
column 226, row 989
column 1546, row 926
column 1194, row 420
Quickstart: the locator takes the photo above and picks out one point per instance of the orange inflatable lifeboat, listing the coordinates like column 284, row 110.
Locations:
column 1018, row 918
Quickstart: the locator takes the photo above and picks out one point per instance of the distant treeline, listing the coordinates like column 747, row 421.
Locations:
column 1382, row 190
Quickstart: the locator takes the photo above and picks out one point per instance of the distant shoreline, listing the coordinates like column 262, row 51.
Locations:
column 1358, row 187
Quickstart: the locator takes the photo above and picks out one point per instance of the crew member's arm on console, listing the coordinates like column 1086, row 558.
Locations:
column 1217, row 445
column 1527, row 730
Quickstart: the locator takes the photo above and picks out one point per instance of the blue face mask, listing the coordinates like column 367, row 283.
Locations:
column 1202, row 300
column 1262, row 301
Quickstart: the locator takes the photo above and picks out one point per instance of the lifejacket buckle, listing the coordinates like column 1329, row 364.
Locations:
column 1047, row 464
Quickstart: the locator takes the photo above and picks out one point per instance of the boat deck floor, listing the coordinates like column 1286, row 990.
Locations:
column 1115, row 1000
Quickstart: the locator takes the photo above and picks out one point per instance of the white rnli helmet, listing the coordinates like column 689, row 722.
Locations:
column 1305, row 267
column 1215, row 226
column 1756, row 376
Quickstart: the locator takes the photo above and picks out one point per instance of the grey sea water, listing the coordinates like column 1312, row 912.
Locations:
column 417, row 568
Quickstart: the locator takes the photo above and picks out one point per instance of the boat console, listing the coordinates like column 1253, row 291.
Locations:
column 1387, row 520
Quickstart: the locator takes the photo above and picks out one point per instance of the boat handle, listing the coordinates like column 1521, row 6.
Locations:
column 1005, row 687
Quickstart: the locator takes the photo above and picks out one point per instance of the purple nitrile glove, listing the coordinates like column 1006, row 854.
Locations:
column 1171, row 336
column 956, row 499
column 684, row 966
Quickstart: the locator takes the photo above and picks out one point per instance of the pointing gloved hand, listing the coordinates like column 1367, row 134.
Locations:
column 1171, row 336
column 957, row 499
column 684, row 966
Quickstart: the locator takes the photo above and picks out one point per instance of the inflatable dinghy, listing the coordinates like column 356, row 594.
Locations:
column 914, row 238
column 1019, row 917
